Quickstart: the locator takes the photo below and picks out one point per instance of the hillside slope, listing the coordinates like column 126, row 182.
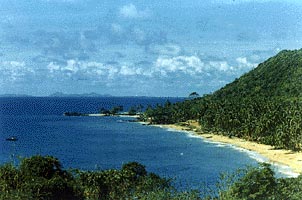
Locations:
column 279, row 76
column 264, row 105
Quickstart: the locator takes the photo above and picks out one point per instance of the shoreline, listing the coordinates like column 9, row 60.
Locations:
column 290, row 162
column 276, row 157
column 117, row 115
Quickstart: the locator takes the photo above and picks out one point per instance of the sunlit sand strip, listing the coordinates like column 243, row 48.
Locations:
column 96, row 115
column 118, row 115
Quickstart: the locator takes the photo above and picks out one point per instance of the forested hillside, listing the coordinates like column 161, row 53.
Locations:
column 278, row 77
column 264, row 105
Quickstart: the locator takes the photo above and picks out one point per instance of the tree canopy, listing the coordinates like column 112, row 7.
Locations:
column 42, row 177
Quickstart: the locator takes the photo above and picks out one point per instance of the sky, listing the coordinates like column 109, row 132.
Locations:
column 139, row 47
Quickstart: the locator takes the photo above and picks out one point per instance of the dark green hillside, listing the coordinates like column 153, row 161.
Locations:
column 264, row 105
column 279, row 76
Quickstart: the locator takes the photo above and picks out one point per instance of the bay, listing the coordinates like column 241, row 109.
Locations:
column 91, row 143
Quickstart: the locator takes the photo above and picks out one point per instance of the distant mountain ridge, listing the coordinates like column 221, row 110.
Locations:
column 15, row 95
column 59, row 94
column 92, row 94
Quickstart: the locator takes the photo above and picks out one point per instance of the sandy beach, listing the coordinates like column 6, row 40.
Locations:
column 275, row 156
column 118, row 115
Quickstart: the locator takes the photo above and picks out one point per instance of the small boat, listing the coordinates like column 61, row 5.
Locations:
column 12, row 138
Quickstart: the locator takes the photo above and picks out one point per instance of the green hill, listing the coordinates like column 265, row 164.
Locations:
column 279, row 76
column 264, row 105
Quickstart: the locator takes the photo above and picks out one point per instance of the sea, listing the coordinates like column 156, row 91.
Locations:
column 100, row 143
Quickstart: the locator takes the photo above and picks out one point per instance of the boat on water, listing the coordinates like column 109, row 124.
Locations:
column 12, row 138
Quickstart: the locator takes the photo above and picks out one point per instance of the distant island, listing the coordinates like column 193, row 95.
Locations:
column 15, row 95
column 134, row 111
column 92, row 94
column 59, row 94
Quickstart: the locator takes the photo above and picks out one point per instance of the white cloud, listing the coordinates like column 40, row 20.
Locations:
column 14, row 70
column 242, row 60
column 163, row 66
column 13, row 65
column 112, row 71
column 220, row 65
column 244, row 63
column 128, row 71
column 130, row 11
column 186, row 64
column 193, row 65
column 91, row 70
column 71, row 66
column 74, row 67
column 52, row 67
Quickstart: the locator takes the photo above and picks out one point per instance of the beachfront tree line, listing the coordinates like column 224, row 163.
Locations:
column 41, row 177
column 270, row 122
column 115, row 110
column 264, row 105
column 133, row 110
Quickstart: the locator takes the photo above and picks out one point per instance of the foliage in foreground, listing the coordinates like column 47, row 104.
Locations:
column 259, row 183
column 43, row 178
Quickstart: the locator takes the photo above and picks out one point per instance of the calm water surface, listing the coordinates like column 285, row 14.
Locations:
column 107, row 142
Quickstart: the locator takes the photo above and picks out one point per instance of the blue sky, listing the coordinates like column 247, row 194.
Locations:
column 139, row 47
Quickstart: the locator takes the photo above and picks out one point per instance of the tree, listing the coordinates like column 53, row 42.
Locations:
column 132, row 111
column 134, row 170
column 193, row 95
column 104, row 111
column 257, row 183
column 116, row 109
column 40, row 166
column 38, row 177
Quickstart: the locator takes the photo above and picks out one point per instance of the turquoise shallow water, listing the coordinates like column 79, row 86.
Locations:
column 107, row 142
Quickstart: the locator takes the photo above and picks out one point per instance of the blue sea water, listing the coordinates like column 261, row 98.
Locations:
column 91, row 143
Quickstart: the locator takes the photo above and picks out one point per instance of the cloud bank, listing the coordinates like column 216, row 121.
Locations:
column 139, row 47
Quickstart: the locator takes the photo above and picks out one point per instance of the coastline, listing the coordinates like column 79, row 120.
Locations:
column 289, row 161
column 117, row 115
column 276, row 157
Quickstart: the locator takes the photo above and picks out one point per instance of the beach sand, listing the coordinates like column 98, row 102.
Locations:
column 275, row 156
column 119, row 115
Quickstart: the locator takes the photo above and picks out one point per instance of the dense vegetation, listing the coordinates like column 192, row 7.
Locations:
column 44, row 178
column 259, row 183
column 115, row 110
column 41, row 177
column 264, row 105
